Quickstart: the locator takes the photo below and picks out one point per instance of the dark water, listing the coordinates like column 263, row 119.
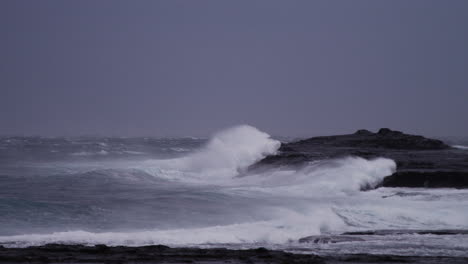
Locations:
column 189, row 191
column 50, row 184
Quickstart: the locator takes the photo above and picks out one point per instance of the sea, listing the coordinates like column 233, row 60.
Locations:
column 199, row 192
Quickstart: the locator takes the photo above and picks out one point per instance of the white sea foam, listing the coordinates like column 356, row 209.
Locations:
column 133, row 152
column 321, row 197
column 350, row 174
column 224, row 156
column 460, row 147
column 275, row 231
column 231, row 151
column 180, row 149
column 331, row 214
column 87, row 153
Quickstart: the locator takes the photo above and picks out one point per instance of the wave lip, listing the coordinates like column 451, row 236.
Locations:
column 234, row 148
column 226, row 154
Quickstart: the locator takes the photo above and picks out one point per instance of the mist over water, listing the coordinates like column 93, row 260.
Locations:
column 199, row 192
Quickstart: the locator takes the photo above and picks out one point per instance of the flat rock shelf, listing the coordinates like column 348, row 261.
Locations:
column 56, row 253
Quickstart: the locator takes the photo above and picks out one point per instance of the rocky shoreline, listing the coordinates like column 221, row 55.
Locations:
column 421, row 162
column 66, row 253
column 57, row 253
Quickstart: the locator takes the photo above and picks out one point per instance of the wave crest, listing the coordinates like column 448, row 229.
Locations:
column 225, row 155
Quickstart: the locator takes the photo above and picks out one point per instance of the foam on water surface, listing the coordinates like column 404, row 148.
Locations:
column 208, row 196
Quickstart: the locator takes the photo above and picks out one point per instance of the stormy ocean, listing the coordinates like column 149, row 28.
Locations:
column 200, row 193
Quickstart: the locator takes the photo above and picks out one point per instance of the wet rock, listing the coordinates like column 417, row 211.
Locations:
column 427, row 179
column 62, row 254
column 421, row 162
column 329, row 239
column 56, row 253
column 385, row 138
column 385, row 232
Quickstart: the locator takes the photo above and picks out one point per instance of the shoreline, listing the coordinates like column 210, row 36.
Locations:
column 60, row 253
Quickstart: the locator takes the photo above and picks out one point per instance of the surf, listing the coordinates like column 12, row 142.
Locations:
column 209, row 196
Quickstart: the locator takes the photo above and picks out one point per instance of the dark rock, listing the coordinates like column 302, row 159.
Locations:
column 158, row 247
column 385, row 232
column 149, row 254
column 371, row 259
column 384, row 138
column 387, row 131
column 427, row 179
column 261, row 250
column 363, row 132
column 101, row 248
column 421, row 162
column 329, row 239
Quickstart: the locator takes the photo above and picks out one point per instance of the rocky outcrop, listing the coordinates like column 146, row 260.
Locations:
column 388, row 232
column 421, row 161
column 329, row 239
column 58, row 254
column 427, row 179
column 384, row 139
column 359, row 236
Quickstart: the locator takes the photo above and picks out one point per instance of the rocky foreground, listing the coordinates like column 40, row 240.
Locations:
column 54, row 253
column 421, row 162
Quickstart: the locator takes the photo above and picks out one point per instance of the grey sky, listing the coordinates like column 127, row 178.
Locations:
column 192, row 67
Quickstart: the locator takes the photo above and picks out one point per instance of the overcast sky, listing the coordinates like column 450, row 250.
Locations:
column 177, row 68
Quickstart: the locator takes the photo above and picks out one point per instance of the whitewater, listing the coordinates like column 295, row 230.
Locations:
column 202, row 192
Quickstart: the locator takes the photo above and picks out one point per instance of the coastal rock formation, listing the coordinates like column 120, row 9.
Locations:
column 58, row 254
column 329, row 239
column 384, row 139
column 427, row 179
column 387, row 232
column 357, row 236
column 421, row 161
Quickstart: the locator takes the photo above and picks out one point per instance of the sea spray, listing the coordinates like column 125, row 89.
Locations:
column 349, row 174
column 226, row 154
column 199, row 199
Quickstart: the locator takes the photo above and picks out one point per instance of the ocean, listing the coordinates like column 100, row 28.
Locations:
column 200, row 192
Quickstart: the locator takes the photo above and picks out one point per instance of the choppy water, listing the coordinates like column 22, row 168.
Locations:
column 196, row 192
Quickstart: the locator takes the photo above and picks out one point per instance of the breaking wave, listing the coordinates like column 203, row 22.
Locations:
column 226, row 154
column 225, row 203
